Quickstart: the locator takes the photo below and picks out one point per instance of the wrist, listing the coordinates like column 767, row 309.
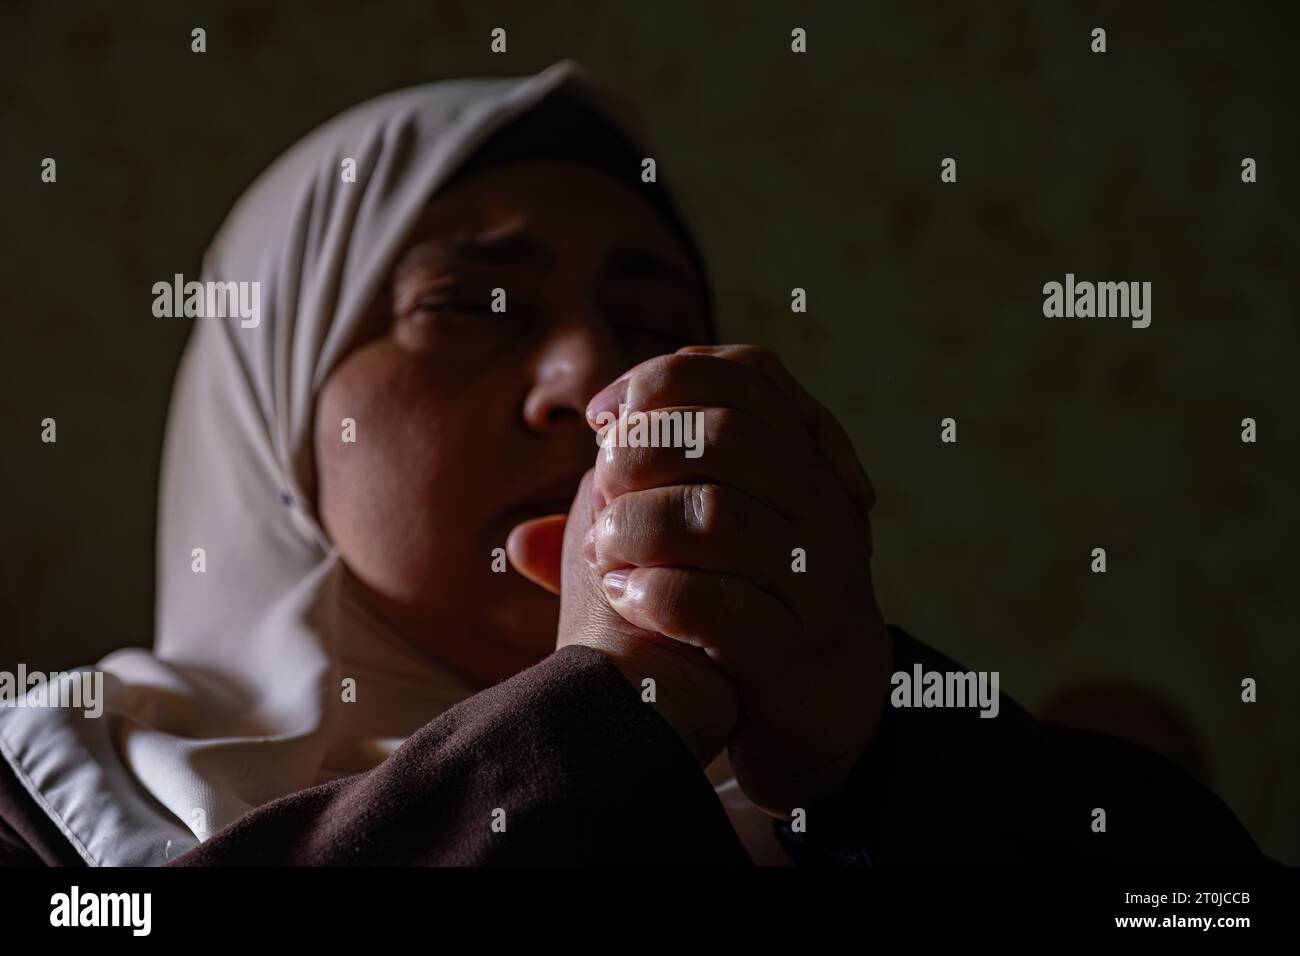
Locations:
column 699, row 705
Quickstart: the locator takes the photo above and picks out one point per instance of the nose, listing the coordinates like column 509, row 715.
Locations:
column 574, row 359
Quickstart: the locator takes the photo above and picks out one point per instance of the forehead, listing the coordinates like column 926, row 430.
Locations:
column 565, row 205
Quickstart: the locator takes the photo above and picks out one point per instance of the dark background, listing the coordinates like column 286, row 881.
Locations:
column 820, row 171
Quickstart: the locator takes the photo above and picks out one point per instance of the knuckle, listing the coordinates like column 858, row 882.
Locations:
column 655, row 379
column 657, row 594
column 700, row 509
column 611, row 522
column 621, row 468
column 605, row 475
column 682, row 610
column 637, row 465
column 669, row 369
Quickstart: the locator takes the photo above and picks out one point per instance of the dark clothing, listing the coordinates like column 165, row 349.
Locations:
column 588, row 773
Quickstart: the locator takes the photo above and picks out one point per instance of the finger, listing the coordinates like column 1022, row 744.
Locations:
column 830, row 436
column 744, row 630
column 700, row 380
column 574, row 570
column 700, row 526
column 535, row 549
column 735, row 449
column 581, row 513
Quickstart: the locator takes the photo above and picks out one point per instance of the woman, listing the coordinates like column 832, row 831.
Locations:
column 342, row 672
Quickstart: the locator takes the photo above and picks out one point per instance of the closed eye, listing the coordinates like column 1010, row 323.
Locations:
column 444, row 306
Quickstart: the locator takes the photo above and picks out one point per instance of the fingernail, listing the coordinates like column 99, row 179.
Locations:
column 597, row 499
column 589, row 544
column 615, row 583
column 608, row 399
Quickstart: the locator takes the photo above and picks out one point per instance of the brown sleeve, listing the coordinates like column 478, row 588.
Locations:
column 14, row 849
column 945, row 787
column 583, row 770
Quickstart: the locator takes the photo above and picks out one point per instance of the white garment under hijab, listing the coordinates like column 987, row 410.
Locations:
column 239, row 701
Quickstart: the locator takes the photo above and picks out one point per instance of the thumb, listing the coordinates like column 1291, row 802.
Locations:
column 535, row 548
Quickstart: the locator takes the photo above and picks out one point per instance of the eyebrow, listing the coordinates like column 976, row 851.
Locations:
column 523, row 249
column 515, row 249
column 636, row 263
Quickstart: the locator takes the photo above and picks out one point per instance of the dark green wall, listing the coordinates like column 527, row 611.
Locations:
column 818, row 171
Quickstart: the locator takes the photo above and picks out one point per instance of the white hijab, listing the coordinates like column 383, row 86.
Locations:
column 239, row 701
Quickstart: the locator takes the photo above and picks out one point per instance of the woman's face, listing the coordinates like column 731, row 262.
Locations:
column 470, row 420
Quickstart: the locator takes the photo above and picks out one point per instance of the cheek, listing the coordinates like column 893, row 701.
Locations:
column 395, row 501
